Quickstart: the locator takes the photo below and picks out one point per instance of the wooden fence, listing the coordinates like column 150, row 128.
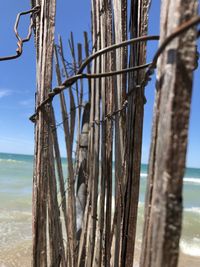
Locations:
column 89, row 217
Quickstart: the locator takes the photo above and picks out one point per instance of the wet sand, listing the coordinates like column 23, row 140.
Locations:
column 184, row 260
column 16, row 256
column 188, row 261
column 20, row 256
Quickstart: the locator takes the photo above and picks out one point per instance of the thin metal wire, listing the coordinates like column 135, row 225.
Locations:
column 116, row 46
column 67, row 117
column 150, row 70
column 70, row 81
column 180, row 30
column 21, row 41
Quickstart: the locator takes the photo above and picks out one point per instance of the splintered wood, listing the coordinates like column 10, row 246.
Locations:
column 85, row 205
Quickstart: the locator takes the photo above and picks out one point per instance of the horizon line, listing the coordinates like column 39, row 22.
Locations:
column 32, row 155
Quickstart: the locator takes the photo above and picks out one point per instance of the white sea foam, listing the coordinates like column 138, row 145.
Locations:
column 11, row 161
column 193, row 209
column 15, row 226
column 192, row 180
column 143, row 174
column 192, row 249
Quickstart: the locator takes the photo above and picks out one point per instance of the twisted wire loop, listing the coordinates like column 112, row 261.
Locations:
column 67, row 117
column 80, row 75
column 21, row 41
column 150, row 67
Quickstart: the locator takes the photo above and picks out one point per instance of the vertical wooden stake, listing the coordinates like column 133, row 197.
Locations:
column 168, row 150
column 44, row 46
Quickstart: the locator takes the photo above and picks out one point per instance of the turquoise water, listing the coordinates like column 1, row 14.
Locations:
column 190, row 240
column 15, row 208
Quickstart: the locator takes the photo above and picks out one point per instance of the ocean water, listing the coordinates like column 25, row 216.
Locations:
column 190, row 239
column 15, row 210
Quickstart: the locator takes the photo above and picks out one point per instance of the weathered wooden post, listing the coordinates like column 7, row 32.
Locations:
column 134, row 131
column 103, row 235
column 71, row 209
column 44, row 39
column 93, row 159
column 120, row 33
column 81, row 193
column 163, row 210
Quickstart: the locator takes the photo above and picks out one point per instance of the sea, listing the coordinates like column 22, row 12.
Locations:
column 16, row 222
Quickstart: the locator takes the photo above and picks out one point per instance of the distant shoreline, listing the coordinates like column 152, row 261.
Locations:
column 32, row 155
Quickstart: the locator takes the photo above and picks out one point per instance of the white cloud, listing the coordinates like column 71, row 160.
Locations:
column 26, row 103
column 5, row 92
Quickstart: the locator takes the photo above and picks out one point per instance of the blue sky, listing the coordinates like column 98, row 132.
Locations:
column 17, row 81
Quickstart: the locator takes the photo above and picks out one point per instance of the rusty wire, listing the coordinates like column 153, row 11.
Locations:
column 21, row 41
column 67, row 117
column 150, row 66
column 180, row 30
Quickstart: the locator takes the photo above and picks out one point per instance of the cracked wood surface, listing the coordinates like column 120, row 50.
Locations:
column 163, row 209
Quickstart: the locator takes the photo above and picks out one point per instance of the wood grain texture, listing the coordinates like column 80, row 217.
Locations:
column 71, row 210
column 44, row 37
column 134, row 131
column 169, row 142
column 120, row 33
column 93, row 154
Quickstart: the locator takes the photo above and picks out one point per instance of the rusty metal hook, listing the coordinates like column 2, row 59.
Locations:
column 21, row 41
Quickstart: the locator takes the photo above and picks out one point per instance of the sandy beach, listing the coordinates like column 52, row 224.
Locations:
column 20, row 256
column 16, row 217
